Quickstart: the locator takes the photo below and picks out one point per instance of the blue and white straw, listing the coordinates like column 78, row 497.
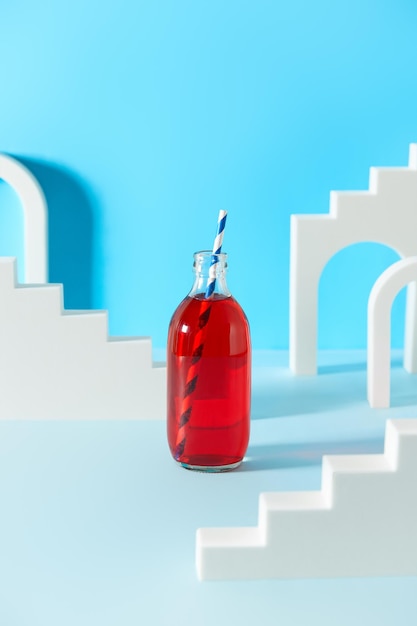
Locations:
column 217, row 248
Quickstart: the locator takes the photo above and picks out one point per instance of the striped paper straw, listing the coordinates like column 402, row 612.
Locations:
column 198, row 344
column 217, row 248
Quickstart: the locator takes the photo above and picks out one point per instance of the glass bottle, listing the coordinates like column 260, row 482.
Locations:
column 209, row 374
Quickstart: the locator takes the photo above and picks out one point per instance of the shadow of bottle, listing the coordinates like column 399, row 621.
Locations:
column 275, row 456
column 70, row 231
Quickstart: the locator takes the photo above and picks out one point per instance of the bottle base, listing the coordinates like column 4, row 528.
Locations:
column 210, row 469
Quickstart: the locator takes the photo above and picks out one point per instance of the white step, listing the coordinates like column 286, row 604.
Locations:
column 8, row 273
column 351, row 204
column 39, row 301
column 90, row 327
column 134, row 352
column 393, row 181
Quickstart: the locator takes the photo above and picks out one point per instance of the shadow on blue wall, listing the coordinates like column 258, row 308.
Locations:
column 71, row 231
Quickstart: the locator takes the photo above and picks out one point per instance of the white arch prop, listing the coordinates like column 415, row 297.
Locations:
column 385, row 214
column 35, row 218
column 380, row 302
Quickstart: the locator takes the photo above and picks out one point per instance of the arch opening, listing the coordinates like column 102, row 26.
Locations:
column 343, row 292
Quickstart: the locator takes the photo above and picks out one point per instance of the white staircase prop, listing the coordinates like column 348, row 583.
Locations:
column 362, row 523
column 62, row 364
column 385, row 214
column 383, row 294
column 35, row 214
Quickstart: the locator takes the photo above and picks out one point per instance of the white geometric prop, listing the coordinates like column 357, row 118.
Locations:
column 35, row 215
column 362, row 523
column 61, row 364
column 385, row 214
column 380, row 302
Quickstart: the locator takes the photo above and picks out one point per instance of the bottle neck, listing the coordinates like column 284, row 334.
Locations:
column 209, row 269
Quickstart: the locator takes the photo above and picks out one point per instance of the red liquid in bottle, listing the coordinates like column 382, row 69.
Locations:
column 216, row 433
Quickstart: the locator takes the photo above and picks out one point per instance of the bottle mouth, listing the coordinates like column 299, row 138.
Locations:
column 207, row 254
column 203, row 259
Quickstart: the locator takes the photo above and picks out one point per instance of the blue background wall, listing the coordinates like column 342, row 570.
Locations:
column 143, row 119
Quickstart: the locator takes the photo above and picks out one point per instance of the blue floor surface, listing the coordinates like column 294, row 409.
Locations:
column 97, row 523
